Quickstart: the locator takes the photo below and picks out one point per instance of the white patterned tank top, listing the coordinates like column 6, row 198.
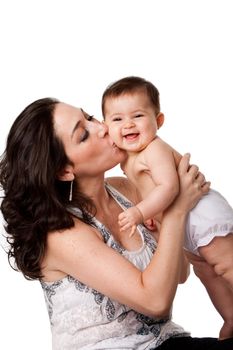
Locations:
column 83, row 318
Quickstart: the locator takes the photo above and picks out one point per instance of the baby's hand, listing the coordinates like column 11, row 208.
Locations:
column 226, row 330
column 129, row 219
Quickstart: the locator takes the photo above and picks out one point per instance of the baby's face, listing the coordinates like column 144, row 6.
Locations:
column 131, row 120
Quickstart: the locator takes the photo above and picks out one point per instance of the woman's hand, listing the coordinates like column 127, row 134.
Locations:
column 192, row 185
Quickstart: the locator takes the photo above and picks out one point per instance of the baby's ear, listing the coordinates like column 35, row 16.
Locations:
column 66, row 174
column 160, row 119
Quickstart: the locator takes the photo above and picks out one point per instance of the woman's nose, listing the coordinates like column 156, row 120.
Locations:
column 103, row 130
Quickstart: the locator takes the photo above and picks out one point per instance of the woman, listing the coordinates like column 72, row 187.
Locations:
column 103, row 289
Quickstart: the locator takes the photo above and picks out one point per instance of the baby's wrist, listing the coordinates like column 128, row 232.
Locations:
column 140, row 218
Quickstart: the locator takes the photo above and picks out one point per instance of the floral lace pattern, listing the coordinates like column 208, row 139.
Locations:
column 50, row 290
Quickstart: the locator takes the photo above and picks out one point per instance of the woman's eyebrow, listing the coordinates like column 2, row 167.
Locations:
column 84, row 113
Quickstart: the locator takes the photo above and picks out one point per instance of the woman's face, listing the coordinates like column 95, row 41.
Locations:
column 86, row 141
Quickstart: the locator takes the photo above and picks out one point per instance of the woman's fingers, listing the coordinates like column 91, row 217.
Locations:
column 193, row 171
column 184, row 164
column 200, row 178
column 206, row 187
column 202, row 184
column 196, row 177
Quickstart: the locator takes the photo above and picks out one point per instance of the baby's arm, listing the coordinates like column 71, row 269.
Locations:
column 220, row 294
column 158, row 160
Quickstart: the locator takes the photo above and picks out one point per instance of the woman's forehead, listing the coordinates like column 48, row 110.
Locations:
column 66, row 110
column 66, row 116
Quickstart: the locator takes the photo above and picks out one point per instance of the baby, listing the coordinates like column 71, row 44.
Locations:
column 131, row 109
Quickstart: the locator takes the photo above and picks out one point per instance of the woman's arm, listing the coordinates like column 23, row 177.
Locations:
column 81, row 253
column 184, row 268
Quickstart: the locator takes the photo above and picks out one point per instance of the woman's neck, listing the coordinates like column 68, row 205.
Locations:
column 94, row 188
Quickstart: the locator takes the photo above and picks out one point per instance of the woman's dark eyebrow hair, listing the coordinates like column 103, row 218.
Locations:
column 82, row 111
column 85, row 114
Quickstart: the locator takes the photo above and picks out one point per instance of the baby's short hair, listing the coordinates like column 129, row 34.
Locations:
column 130, row 85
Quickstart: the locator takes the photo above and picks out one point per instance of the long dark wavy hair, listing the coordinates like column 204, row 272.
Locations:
column 35, row 202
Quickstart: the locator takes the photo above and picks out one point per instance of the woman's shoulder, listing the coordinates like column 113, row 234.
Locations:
column 80, row 228
column 61, row 244
column 124, row 186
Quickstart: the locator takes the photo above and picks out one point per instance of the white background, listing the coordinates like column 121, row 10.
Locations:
column 72, row 50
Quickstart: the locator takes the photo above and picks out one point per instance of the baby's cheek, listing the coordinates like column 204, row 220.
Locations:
column 114, row 133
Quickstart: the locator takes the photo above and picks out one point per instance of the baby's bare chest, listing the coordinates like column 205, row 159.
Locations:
column 139, row 174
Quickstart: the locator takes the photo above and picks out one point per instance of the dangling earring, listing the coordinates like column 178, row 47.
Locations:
column 71, row 191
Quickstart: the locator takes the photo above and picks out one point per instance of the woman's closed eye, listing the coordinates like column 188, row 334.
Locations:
column 85, row 134
column 89, row 117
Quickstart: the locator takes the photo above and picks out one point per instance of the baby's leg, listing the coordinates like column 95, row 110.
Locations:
column 219, row 254
column 219, row 292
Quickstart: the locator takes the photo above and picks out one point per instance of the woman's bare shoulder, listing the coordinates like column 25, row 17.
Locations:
column 62, row 244
column 124, row 186
column 79, row 229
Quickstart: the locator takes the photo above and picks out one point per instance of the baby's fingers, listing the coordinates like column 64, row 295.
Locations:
column 123, row 220
column 132, row 232
column 125, row 227
column 122, row 216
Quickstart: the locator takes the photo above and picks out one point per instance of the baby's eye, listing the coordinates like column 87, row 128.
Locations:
column 84, row 136
column 117, row 119
column 138, row 115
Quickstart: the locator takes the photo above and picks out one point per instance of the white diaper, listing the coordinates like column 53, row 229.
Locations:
column 211, row 217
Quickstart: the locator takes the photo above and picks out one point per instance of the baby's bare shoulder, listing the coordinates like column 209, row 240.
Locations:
column 159, row 143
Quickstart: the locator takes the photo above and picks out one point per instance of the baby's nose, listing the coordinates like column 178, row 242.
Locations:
column 129, row 124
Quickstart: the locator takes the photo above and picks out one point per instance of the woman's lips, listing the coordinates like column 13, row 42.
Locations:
column 112, row 143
